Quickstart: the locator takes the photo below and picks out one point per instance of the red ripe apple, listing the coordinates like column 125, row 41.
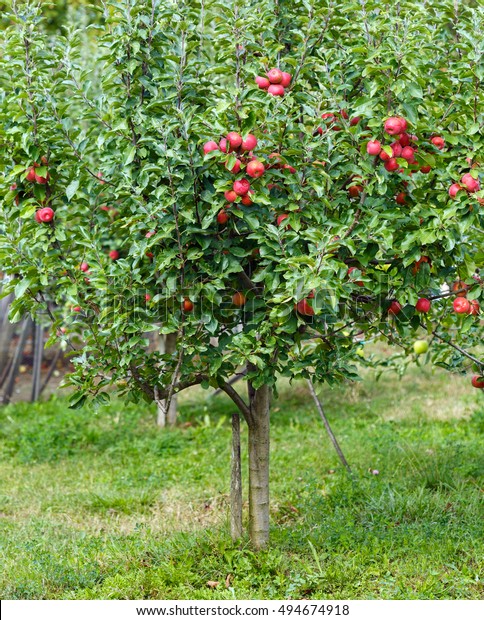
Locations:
column 150, row 234
column 222, row 217
column 423, row 305
column 30, row 176
column 45, row 215
column 230, row 195
column 404, row 140
column 304, row 308
column 42, row 180
column 246, row 200
column 187, row 305
column 425, row 169
column 222, row 145
column 238, row 299
column 344, row 114
column 394, row 125
column 149, row 254
column 392, row 165
column 408, row 153
column 461, row 305
column 255, row 169
column 281, row 218
column 262, row 82
column 37, row 217
column 241, row 187
column 249, row 143
column 329, row 117
column 210, row 146
column 470, row 183
column 235, row 167
column 234, row 139
column 373, row 147
column 460, row 288
column 395, row 308
column 147, row 297
column 277, row 90
column 357, row 282
column 275, row 76
column 355, row 120
column 114, row 254
column 475, row 307
column 13, row 187
column 384, row 156
column 291, row 169
column 286, row 79
column 355, row 190
column 400, row 198
column 438, row 142
column 419, row 262
column 477, row 382
column 453, row 189
column 76, row 308
column 396, row 149
column 84, row 267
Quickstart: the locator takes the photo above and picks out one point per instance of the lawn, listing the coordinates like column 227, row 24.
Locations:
column 103, row 505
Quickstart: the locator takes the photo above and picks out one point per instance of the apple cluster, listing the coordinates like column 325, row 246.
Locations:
column 275, row 83
column 39, row 174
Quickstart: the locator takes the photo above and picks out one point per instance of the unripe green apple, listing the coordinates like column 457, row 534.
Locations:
column 420, row 346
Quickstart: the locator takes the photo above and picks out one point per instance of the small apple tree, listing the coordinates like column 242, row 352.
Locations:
column 266, row 180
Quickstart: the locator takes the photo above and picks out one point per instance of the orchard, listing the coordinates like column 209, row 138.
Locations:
column 267, row 181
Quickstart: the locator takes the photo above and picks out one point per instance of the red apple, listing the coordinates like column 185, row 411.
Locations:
column 286, row 79
column 234, row 139
column 477, row 382
column 408, row 153
column 461, row 305
column 262, row 82
column 419, row 263
column 373, row 147
column 275, row 76
column 395, row 308
column 304, row 308
column 400, row 198
column 392, row 165
column 222, row 217
column 235, row 167
column 404, row 139
column 277, row 90
column 150, row 234
column 76, row 308
column 42, row 180
column 230, row 195
column 395, row 125
column 45, row 215
column 425, row 169
column 187, row 305
column 246, row 200
column 84, row 267
column 384, row 156
column 255, row 169
column 438, row 142
column 241, row 187
column 238, row 299
column 147, row 297
column 475, row 307
column 30, row 176
column 460, row 288
column 222, row 145
column 281, row 218
column 355, row 120
column 453, row 189
column 114, row 254
column 355, row 190
column 249, row 143
column 423, row 305
column 396, row 149
column 210, row 146
column 470, row 183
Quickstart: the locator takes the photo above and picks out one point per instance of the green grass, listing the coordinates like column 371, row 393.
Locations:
column 103, row 505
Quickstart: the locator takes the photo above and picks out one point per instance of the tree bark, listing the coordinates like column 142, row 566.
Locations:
column 164, row 417
column 38, row 346
column 259, row 444
column 7, row 331
column 236, row 528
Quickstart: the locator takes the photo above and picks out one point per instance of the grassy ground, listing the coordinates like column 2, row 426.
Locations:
column 103, row 505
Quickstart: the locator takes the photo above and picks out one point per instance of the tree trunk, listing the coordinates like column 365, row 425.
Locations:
column 7, row 331
column 258, row 424
column 236, row 482
column 38, row 346
column 168, row 345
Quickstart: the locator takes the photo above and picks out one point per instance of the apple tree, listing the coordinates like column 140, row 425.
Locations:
column 267, row 180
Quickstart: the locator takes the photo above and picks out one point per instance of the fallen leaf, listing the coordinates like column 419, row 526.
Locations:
column 212, row 584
